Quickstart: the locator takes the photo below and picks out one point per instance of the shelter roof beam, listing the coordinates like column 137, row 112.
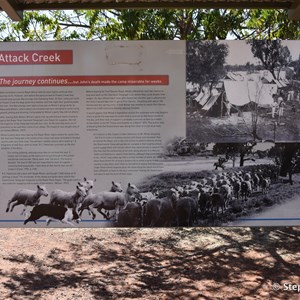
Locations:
column 10, row 7
column 294, row 12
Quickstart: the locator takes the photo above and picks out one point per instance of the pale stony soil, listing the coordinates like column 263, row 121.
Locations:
column 195, row 263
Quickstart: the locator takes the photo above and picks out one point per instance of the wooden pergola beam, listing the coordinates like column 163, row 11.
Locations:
column 158, row 4
column 10, row 8
column 294, row 11
column 14, row 9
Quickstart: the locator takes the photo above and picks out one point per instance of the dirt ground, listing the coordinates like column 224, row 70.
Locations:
column 194, row 263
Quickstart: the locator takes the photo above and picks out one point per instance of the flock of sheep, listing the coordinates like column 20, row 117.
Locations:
column 173, row 206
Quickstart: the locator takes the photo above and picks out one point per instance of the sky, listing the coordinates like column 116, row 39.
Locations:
column 240, row 52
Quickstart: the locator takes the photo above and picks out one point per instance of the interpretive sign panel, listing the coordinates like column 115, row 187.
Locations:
column 148, row 133
column 71, row 110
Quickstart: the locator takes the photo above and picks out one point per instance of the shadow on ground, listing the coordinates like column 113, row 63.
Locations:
column 196, row 263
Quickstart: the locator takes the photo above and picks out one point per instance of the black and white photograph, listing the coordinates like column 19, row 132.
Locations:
column 214, row 184
column 224, row 184
column 239, row 91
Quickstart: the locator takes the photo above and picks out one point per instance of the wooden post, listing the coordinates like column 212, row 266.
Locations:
column 221, row 104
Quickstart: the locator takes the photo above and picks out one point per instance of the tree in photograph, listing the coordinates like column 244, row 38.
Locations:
column 234, row 150
column 182, row 146
column 296, row 65
column 205, row 62
column 172, row 145
column 254, row 122
column 229, row 150
column 273, row 57
column 246, row 152
column 285, row 157
column 271, row 54
column 255, row 97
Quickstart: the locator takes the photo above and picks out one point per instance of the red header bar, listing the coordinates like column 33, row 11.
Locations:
column 38, row 57
column 84, row 80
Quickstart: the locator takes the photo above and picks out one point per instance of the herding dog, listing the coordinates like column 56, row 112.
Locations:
column 53, row 212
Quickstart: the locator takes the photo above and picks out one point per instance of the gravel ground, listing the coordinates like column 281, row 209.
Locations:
column 194, row 263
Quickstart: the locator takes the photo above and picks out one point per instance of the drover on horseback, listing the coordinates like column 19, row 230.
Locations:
column 220, row 163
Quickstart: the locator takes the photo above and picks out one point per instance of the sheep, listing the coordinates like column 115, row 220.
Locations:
column 109, row 201
column 246, row 189
column 217, row 201
column 247, row 176
column 196, row 184
column 180, row 190
column 131, row 216
column 160, row 212
column 145, row 196
column 173, row 191
column 88, row 185
column 256, row 182
column 27, row 198
column 204, row 201
column 237, row 189
column 186, row 211
column 203, row 181
column 212, row 181
column 68, row 199
column 191, row 191
column 226, row 191
column 116, row 187
column 265, row 185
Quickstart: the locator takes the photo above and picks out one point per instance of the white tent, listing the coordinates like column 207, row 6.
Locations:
column 281, row 81
column 263, row 75
column 211, row 101
column 203, row 96
column 240, row 93
column 237, row 76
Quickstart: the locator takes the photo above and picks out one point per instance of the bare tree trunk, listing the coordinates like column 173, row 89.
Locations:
column 242, row 159
column 286, row 166
column 233, row 161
